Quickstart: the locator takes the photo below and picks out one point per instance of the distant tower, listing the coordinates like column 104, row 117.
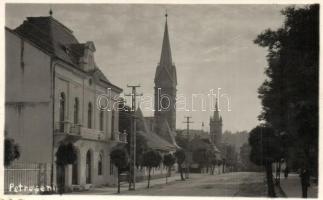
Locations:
column 165, row 87
column 216, row 126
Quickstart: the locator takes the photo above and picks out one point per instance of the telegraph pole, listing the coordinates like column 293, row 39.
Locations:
column 187, row 122
column 132, row 178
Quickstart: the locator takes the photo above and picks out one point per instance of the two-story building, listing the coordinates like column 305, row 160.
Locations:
column 52, row 89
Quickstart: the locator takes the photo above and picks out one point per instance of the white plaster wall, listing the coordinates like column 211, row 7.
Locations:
column 27, row 96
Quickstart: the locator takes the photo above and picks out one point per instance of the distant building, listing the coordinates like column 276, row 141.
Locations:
column 216, row 127
column 52, row 84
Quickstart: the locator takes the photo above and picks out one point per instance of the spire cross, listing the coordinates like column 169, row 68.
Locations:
column 166, row 15
column 50, row 12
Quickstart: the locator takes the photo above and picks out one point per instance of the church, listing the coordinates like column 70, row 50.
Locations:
column 216, row 127
column 163, row 123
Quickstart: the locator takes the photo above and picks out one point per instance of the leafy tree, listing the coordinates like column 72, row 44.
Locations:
column 125, row 122
column 169, row 161
column 151, row 159
column 141, row 147
column 180, row 158
column 66, row 154
column 11, row 152
column 290, row 94
column 265, row 149
column 213, row 162
column 200, row 156
column 246, row 163
column 182, row 140
column 119, row 158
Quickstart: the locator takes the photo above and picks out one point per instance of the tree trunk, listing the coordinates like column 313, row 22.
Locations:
column 305, row 181
column 149, row 169
column 118, row 180
column 61, row 180
column 181, row 172
column 270, row 182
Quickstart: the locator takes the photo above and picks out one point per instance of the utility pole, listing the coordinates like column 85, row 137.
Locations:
column 132, row 168
column 187, row 122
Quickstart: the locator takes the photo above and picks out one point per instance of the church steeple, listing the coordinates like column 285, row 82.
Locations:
column 166, row 54
column 165, row 84
column 216, row 115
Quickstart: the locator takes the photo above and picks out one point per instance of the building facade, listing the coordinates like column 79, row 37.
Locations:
column 52, row 89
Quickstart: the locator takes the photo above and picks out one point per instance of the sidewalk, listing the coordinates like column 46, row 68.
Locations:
column 292, row 187
column 124, row 186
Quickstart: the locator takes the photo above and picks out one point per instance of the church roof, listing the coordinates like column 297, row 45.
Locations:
column 166, row 65
column 166, row 54
column 154, row 141
column 216, row 114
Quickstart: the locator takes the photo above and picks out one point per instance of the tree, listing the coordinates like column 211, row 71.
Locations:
column 180, row 158
column 265, row 149
column 119, row 158
column 200, row 156
column 246, row 164
column 290, row 94
column 11, row 152
column 65, row 155
column 182, row 140
column 213, row 162
column 151, row 159
column 169, row 161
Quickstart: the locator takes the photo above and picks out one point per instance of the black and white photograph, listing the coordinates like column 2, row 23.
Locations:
column 174, row 99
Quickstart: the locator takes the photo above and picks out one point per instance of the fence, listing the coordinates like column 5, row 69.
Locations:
column 26, row 174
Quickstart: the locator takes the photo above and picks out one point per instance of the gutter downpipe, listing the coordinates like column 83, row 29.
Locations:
column 53, row 67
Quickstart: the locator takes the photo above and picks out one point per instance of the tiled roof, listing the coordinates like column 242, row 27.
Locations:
column 56, row 39
column 51, row 36
column 154, row 141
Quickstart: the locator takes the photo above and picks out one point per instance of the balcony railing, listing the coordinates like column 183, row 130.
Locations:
column 67, row 127
column 92, row 134
column 119, row 137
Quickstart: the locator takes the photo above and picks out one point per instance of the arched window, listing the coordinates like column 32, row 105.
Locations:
column 100, row 164
column 112, row 122
column 89, row 115
column 101, row 120
column 88, row 167
column 76, row 110
column 62, row 101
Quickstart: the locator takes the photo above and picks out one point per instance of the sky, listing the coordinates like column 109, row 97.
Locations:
column 212, row 47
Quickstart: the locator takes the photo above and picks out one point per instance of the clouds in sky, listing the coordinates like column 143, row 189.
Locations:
column 212, row 47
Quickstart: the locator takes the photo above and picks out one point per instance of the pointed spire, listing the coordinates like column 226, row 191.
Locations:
column 216, row 115
column 166, row 55
column 50, row 12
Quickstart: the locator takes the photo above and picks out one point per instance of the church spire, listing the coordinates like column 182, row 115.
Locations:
column 166, row 55
column 216, row 115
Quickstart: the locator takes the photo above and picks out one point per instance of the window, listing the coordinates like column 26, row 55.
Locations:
column 101, row 120
column 100, row 163
column 88, row 167
column 62, row 101
column 112, row 122
column 89, row 115
column 76, row 110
